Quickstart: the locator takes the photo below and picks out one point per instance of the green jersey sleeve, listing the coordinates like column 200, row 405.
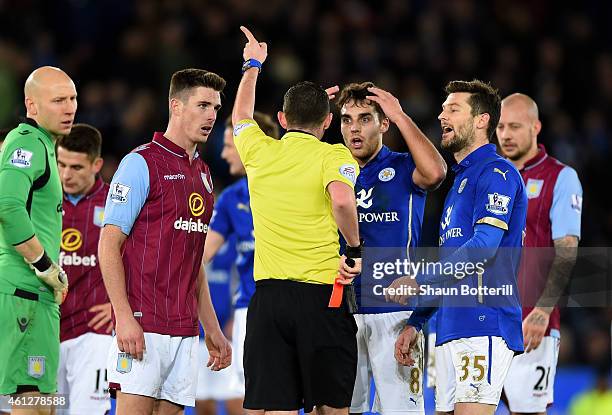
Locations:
column 23, row 162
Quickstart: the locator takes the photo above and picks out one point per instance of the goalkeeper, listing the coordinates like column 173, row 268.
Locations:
column 32, row 285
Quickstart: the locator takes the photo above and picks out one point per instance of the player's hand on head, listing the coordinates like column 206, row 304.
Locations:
column 332, row 91
column 404, row 345
column 103, row 316
column 534, row 328
column 388, row 103
column 130, row 337
column 403, row 288
column 219, row 350
column 347, row 272
column 254, row 49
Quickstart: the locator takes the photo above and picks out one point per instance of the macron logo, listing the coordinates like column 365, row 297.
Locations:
column 178, row 176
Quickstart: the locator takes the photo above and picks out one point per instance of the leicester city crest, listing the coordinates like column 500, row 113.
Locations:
column 386, row 174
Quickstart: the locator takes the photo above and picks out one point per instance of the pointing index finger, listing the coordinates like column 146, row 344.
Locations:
column 248, row 34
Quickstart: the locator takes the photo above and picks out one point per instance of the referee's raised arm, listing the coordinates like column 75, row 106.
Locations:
column 254, row 54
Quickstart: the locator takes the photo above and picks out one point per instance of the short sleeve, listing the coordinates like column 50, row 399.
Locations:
column 221, row 218
column 566, row 209
column 248, row 138
column 128, row 192
column 339, row 165
column 496, row 190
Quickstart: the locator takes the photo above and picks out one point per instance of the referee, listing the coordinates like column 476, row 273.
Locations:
column 299, row 352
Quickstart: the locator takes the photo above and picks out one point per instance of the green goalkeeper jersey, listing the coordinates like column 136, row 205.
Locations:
column 30, row 204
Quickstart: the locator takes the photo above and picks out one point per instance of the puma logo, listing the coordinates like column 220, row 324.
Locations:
column 503, row 173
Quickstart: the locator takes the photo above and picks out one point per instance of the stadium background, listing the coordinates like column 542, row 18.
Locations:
column 121, row 54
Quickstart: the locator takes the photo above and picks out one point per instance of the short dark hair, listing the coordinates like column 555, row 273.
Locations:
column 264, row 121
column 357, row 93
column 83, row 138
column 305, row 105
column 483, row 99
column 186, row 79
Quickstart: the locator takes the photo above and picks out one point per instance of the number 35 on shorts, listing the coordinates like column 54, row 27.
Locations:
column 473, row 367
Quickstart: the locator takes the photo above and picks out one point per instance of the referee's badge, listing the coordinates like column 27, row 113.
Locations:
column 386, row 174
column 36, row 366
column 207, row 184
column 124, row 362
column 349, row 171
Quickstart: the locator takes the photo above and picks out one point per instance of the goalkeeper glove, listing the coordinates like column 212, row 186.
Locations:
column 51, row 274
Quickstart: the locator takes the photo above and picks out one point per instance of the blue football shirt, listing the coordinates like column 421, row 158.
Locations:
column 390, row 210
column 487, row 190
column 232, row 216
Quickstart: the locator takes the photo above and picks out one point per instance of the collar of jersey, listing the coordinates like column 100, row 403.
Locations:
column 169, row 146
column 98, row 184
column 299, row 133
column 472, row 158
column 34, row 124
column 380, row 157
column 537, row 159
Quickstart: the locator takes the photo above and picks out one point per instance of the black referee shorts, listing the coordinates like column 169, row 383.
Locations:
column 298, row 353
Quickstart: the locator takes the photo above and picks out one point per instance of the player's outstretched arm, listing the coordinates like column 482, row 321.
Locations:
column 255, row 53
column 430, row 168
column 220, row 350
column 130, row 337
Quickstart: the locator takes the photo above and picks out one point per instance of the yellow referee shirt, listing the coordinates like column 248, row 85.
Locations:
column 296, row 236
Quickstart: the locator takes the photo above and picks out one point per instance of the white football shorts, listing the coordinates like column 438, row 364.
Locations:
column 82, row 376
column 530, row 380
column 471, row 370
column 168, row 370
column 399, row 389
